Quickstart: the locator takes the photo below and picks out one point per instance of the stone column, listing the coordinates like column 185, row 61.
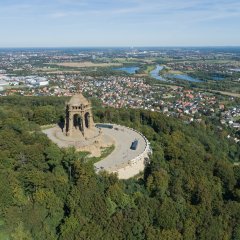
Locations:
column 90, row 118
column 70, row 125
column 83, row 123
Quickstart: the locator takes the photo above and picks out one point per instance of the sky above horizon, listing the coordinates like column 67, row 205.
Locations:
column 80, row 23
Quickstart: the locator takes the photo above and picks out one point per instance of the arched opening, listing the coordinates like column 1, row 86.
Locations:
column 67, row 121
column 87, row 120
column 77, row 122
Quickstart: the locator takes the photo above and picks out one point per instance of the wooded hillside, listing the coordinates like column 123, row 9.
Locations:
column 190, row 190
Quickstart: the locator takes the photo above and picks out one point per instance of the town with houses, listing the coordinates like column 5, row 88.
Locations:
column 120, row 120
column 120, row 92
column 20, row 74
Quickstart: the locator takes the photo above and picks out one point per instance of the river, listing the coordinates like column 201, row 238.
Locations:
column 130, row 70
column 155, row 74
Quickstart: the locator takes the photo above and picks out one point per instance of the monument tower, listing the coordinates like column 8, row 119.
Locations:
column 127, row 159
column 79, row 120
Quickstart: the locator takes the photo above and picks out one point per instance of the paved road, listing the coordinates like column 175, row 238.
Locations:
column 122, row 153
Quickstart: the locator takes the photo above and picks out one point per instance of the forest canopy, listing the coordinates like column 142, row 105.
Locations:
column 190, row 190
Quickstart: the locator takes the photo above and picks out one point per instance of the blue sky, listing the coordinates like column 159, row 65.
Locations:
column 60, row 23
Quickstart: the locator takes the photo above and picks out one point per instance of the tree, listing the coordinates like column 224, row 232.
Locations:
column 20, row 233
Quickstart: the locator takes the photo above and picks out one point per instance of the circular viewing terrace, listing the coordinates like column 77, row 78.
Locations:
column 129, row 156
column 126, row 160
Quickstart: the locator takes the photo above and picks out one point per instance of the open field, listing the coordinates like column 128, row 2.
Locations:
column 86, row 64
column 226, row 93
column 55, row 71
column 150, row 68
column 45, row 69
column 141, row 75
column 209, row 61
column 63, row 72
column 174, row 72
column 134, row 60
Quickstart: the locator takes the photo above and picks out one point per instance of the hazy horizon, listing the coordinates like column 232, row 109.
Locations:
column 105, row 23
column 130, row 47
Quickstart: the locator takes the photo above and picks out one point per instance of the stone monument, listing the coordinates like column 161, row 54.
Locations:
column 79, row 130
column 79, row 120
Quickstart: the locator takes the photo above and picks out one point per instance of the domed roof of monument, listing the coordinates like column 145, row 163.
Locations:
column 78, row 99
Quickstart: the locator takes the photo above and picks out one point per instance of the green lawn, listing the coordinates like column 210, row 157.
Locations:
column 105, row 152
column 150, row 68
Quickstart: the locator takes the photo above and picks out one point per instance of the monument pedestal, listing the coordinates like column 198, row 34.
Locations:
column 94, row 144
